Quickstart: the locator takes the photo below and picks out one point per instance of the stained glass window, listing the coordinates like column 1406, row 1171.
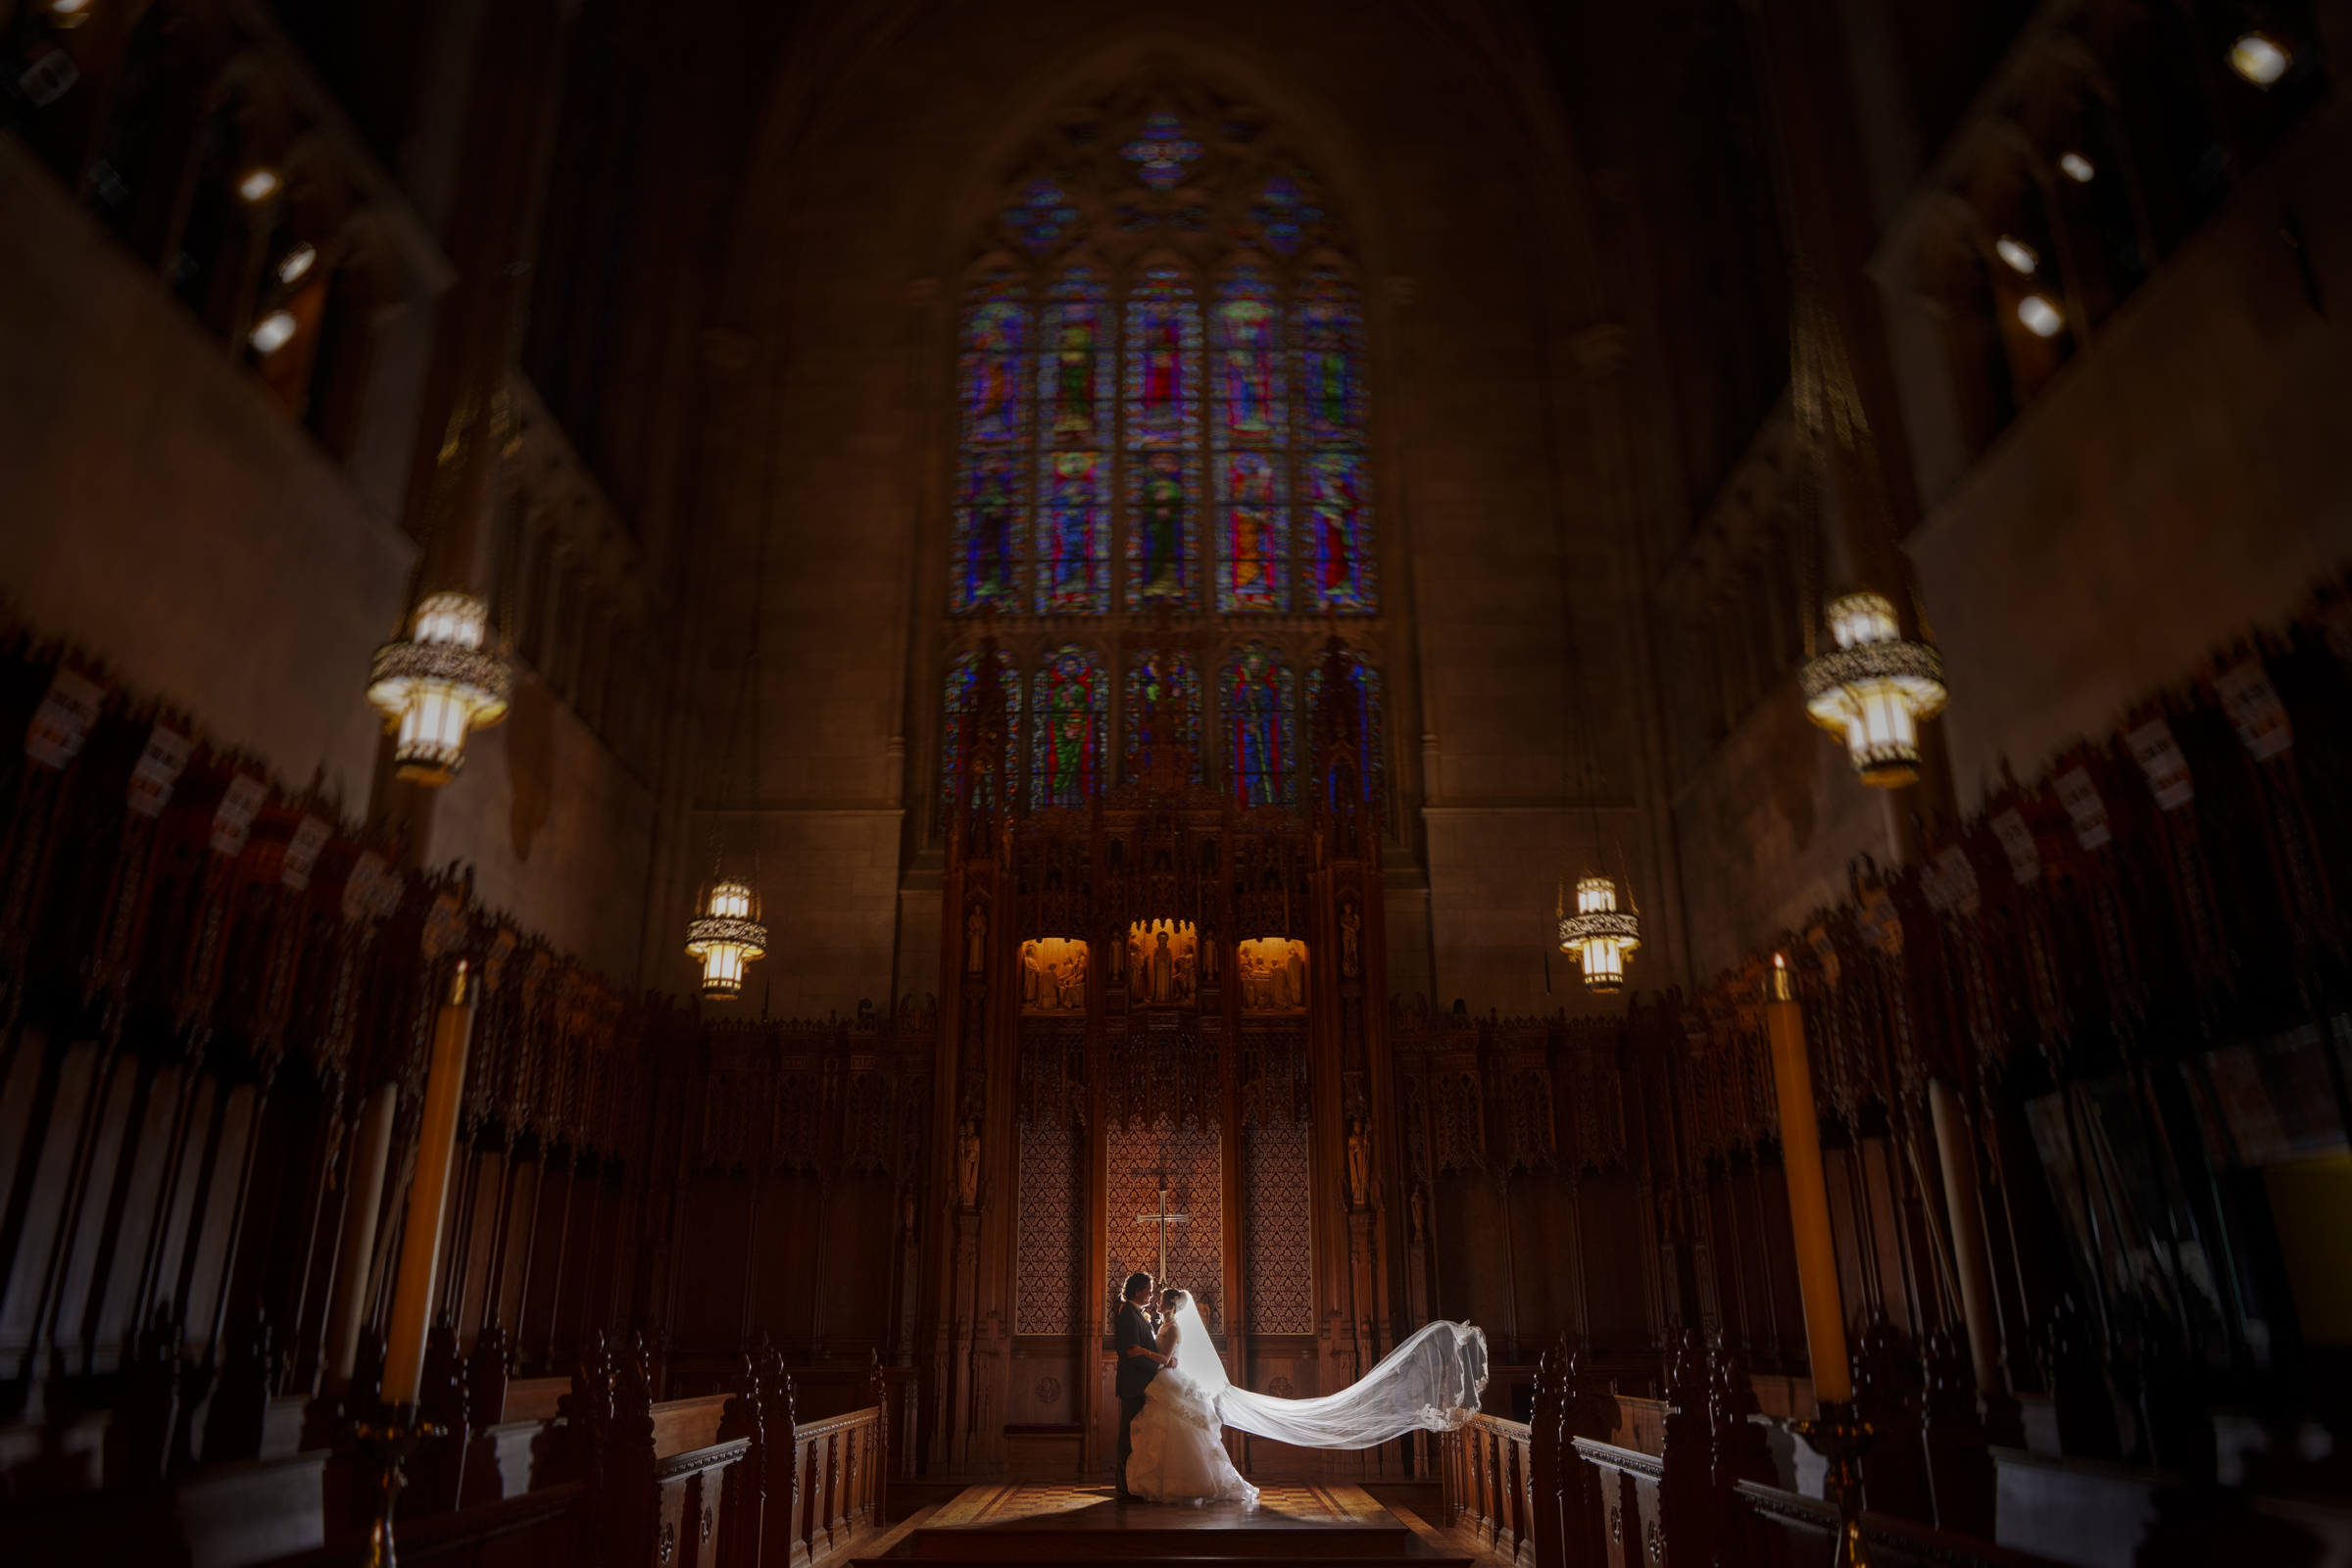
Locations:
column 1255, row 695
column 1336, row 510
column 1188, row 434
column 1248, row 424
column 1363, row 698
column 963, row 677
column 1065, row 744
column 1162, row 690
column 990, row 494
column 1163, row 431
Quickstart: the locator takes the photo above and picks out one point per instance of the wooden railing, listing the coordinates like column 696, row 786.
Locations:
column 1486, row 1485
column 1596, row 1477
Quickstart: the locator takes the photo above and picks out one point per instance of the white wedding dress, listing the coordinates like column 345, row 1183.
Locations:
column 1431, row 1382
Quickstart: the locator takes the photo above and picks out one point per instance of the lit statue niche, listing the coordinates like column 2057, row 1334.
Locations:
column 1273, row 975
column 1159, row 962
column 1053, row 976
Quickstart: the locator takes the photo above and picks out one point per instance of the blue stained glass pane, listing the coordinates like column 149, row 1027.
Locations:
column 1164, row 546
column 1256, row 700
column 1331, row 362
column 1163, row 362
column 1163, row 689
column 1339, row 533
column 963, row 677
column 1246, row 337
column 1253, row 544
column 1042, row 215
column 1073, row 533
column 989, row 526
column 996, row 335
column 1283, row 216
column 1066, row 733
column 1075, row 377
column 1363, row 700
column 1161, row 152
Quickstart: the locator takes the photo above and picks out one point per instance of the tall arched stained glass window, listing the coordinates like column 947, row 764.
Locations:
column 990, row 488
column 1363, row 699
column 963, row 679
column 1071, row 700
column 1255, row 695
column 1334, row 480
column 1162, row 387
column 1162, row 410
column 1162, row 697
column 1249, row 429
column 1074, row 377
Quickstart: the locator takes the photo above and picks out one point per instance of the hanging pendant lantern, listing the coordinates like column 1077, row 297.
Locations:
column 726, row 934
column 438, row 685
column 1599, row 935
column 1874, row 687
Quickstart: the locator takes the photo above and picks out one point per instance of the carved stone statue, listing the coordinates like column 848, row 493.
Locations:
column 1359, row 1164
column 967, row 1165
column 1163, row 971
column 1209, row 941
column 975, row 941
column 1416, row 1205
column 1351, row 924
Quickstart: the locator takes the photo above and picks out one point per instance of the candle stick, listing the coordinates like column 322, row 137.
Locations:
column 428, row 1193
column 1808, row 1195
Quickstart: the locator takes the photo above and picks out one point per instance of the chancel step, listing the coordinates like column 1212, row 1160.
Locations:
column 1327, row 1525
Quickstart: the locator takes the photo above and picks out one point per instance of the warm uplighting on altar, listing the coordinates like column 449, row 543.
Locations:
column 726, row 936
column 1874, row 687
column 438, row 685
column 1053, row 972
column 1273, row 975
column 1162, row 962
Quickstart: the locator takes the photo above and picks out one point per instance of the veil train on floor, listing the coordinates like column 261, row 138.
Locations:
column 1430, row 1383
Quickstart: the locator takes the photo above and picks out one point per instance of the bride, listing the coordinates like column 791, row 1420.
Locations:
column 1432, row 1380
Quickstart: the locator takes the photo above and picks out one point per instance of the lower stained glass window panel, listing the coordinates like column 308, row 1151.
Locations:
column 1163, row 533
column 1254, row 545
column 1339, row 525
column 1074, row 554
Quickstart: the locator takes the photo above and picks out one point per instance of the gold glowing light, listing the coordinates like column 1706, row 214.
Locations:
column 2260, row 58
column 1874, row 687
column 258, row 184
column 2040, row 316
column 726, row 936
column 1599, row 935
column 438, row 685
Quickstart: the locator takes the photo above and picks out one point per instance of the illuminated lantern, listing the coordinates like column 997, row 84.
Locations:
column 726, row 935
column 1599, row 935
column 1874, row 687
column 438, row 685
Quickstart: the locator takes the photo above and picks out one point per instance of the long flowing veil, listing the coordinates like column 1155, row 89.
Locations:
column 1430, row 1383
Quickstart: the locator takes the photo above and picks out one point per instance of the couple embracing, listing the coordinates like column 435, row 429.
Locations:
column 1169, row 1447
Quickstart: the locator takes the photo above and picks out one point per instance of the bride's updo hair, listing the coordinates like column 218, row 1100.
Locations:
column 1170, row 1297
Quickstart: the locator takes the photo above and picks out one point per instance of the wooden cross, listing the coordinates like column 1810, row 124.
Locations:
column 1163, row 1219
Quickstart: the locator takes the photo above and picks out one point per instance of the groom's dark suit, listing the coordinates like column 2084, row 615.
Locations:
column 1135, row 1374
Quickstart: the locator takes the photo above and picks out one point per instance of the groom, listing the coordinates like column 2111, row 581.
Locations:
column 1140, row 1362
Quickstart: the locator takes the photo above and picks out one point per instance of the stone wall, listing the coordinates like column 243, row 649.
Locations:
column 2181, row 482
column 161, row 507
